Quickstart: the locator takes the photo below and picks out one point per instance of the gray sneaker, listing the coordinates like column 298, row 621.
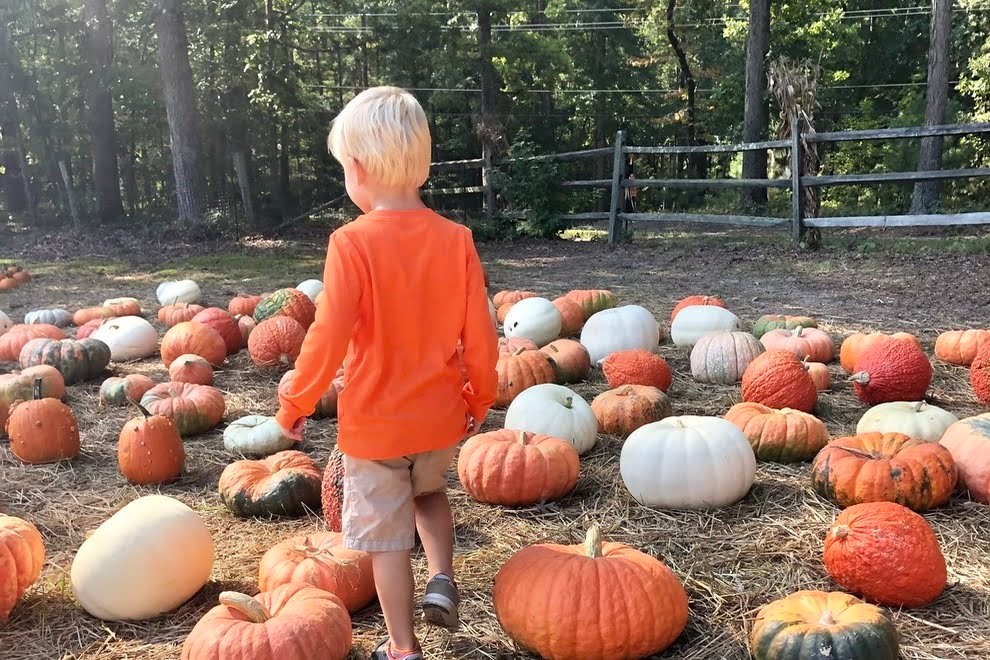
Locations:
column 440, row 602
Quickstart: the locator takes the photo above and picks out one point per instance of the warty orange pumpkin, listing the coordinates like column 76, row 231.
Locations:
column 624, row 409
column 961, row 346
column 276, row 341
column 42, row 430
column 637, row 366
column 884, row 467
column 332, row 495
column 781, row 436
column 287, row 302
column 150, row 450
column 892, row 370
column 777, row 379
column 573, row 601
column 886, row 553
column 22, row 555
column 979, row 375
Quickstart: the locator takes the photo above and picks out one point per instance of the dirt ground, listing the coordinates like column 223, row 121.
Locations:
column 731, row 560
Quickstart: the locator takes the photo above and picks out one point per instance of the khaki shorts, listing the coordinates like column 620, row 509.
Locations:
column 378, row 513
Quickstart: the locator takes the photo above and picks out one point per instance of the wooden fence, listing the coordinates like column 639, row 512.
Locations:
column 796, row 183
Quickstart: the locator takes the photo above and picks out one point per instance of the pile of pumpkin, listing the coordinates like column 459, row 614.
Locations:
column 906, row 455
column 12, row 276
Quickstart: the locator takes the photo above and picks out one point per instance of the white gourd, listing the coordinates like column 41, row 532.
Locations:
column 5, row 322
column 915, row 419
column 536, row 319
column 312, row 288
column 693, row 322
column 56, row 317
column 129, row 338
column 556, row 411
column 687, row 462
column 620, row 329
column 145, row 561
column 178, row 291
column 255, row 435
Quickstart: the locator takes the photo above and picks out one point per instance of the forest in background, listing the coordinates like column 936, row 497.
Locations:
column 131, row 110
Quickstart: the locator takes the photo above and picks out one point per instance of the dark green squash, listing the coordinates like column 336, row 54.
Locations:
column 76, row 360
column 769, row 322
column 817, row 625
column 286, row 302
column 284, row 484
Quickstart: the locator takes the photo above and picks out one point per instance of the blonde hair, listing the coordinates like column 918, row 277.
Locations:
column 384, row 129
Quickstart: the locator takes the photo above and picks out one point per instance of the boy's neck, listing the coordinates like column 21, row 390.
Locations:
column 397, row 200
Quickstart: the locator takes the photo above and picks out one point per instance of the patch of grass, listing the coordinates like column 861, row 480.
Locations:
column 909, row 245
column 82, row 266
column 246, row 265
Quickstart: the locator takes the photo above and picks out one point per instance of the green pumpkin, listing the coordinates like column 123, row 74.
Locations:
column 275, row 303
column 769, row 322
column 76, row 360
column 284, row 484
column 818, row 625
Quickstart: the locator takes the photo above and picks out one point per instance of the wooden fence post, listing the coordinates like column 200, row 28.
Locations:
column 797, row 221
column 616, row 202
column 486, row 182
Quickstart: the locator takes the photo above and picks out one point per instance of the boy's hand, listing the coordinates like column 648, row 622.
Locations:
column 295, row 433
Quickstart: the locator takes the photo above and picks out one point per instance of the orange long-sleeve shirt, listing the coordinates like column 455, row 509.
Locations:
column 401, row 289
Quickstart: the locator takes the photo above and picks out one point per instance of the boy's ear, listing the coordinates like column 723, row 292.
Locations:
column 360, row 174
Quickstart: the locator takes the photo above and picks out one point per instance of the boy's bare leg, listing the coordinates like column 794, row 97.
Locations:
column 394, row 582
column 436, row 532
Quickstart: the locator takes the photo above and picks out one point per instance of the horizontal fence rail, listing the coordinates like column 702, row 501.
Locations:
column 797, row 181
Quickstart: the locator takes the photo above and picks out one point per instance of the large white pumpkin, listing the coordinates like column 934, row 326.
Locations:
column 687, row 462
column 144, row 561
column 693, row 322
column 311, row 288
column 178, row 291
column 620, row 329
column 556, row 411
column 57, row 317
column 6, row 324
column 536, row 319
column 129, row 338
column 915, row 419
column 255, row 435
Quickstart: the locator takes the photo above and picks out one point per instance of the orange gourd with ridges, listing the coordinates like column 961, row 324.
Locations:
column 782, row 436
column 961, row 346
column 23, row 549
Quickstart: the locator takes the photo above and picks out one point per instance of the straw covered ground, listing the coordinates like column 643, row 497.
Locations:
column 731, row 560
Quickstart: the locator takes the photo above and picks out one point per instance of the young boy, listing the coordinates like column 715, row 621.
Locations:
column 403, row 287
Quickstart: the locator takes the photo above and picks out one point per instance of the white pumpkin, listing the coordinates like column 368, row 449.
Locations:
column 178, row 291
column 144, row 561
column 620, row 329
column 121, row 301
column 57, row 317
column 691, row 323
column 556, row 411
column 491, row 311
column 6, row 324
column 536, row 319
column 129, row 338
column 915, row 419
column 687, row 462
column 311, row 288
column 255, row 435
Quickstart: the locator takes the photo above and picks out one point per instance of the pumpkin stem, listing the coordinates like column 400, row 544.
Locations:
column 38, row 383
column 249, row 607
column 861, row 377
column 798, row 330
column 519, row 351
column 144, row 411
column 593, row 541
column 840, row 531
column 827, row 619
column 569, row 402
column 522, row 437
column 857, row 452
column 918, row 406
column 625, row 391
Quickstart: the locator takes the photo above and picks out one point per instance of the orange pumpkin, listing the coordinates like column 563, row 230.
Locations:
column 806, row 343
column 42, row 430
column 286, row 483
column 623, row 410
column 961, row 346
column 172, row 315
column 20, row 387
column 225, row 325
column 819, row 374
column 322, row 560
column 968, row 440
column 193, row 408
column 884, row 467
column 119, row 391
column 574, row 601
column 243, row 304
column 23, row 554
column 190, row 368
column 886, row 553
column 892, row 370
column 571, row 359
column 18, row 335
column 295, row 621
column 522, row 370
column 150, row 450
column 246, row 325
column 636, row 367
column 88, row 328
column 276, row 341
column 979, row 375
column 195, row 338
column 510, row 297
column 593, row 301
column 286, row 302
column 690, row 301
column 502, row 312
column 856, row 344
column 87, row 314
column 8, row 283
column 509, row 345
column 515, row 468
column 781, row 436
column 572, row 316
column 777, row 379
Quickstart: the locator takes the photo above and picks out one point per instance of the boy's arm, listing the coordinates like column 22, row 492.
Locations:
column 326, row 342
column 480, row 342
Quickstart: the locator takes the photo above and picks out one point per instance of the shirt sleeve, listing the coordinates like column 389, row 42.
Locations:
column 327, row 340
column 479, row 340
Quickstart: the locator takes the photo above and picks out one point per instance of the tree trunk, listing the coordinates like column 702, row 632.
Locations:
column 485, row 126
column 697, row 163
column 756, row 113
column 103, row 133
column 10, row 131
column 180, row 106
column 926, row 193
